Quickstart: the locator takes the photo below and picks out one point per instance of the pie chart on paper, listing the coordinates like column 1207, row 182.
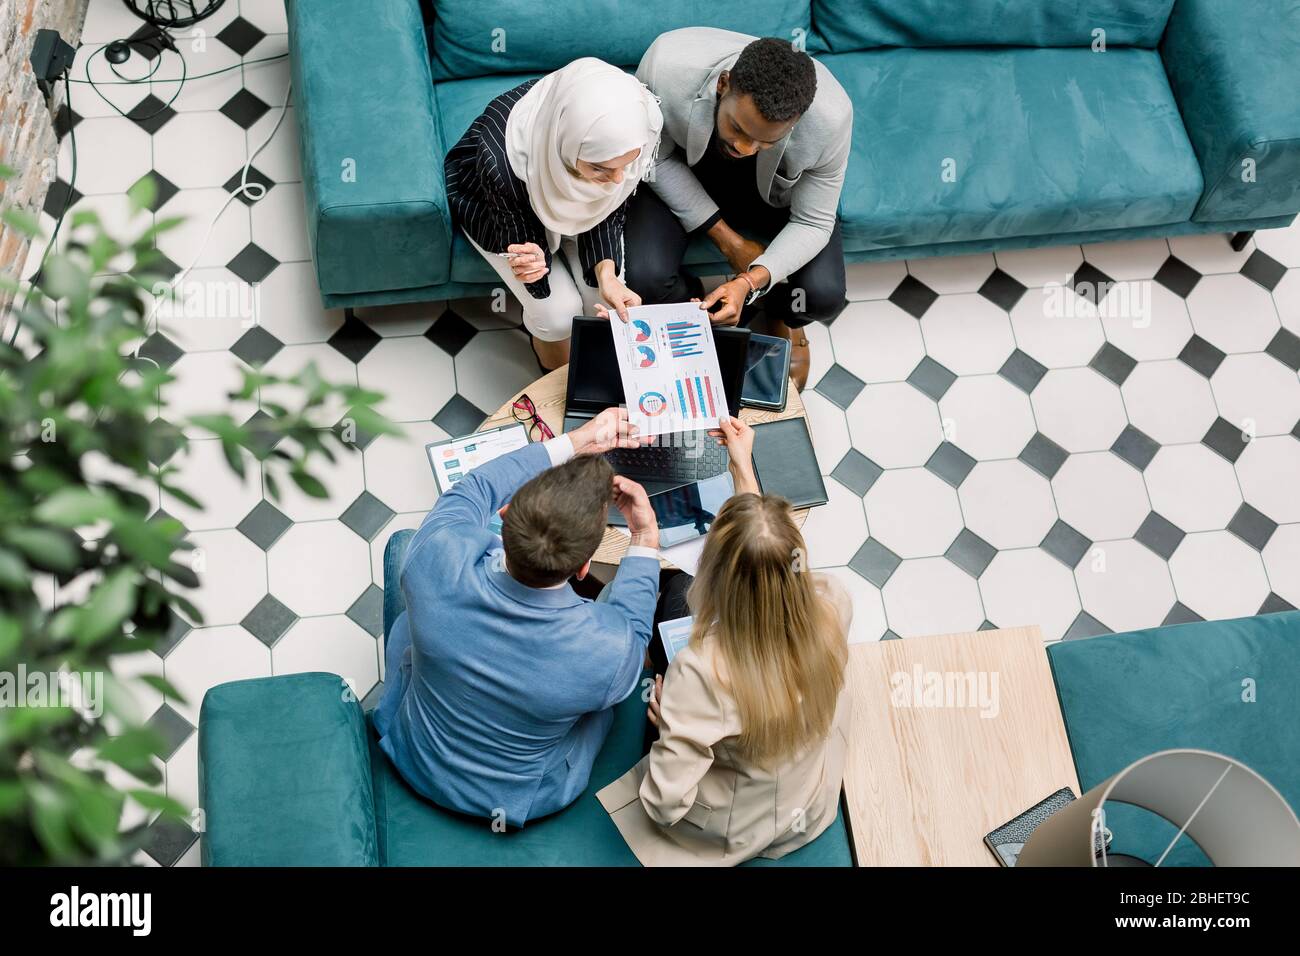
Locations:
column 642, row 330
column 645, row 356
column 652, row 404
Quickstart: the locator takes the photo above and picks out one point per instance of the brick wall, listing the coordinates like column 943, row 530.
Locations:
column 27, row 140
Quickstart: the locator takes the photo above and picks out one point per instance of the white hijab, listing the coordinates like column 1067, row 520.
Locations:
column 591, row 111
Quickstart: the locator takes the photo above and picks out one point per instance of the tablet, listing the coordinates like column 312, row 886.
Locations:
column 785, row 463
column 453, row 458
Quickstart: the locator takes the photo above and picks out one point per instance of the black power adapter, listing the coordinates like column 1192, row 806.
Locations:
column 51, row 57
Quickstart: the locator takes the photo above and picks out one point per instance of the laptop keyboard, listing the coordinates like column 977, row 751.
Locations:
column 701, row 459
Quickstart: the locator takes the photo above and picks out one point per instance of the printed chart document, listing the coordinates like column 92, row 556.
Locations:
column 669, row 368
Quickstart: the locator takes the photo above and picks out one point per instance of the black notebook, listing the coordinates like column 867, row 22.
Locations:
column 1008, row 840
column 785, row 463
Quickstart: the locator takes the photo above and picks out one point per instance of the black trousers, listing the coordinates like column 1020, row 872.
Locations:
column 656, row 246
column 673, row 586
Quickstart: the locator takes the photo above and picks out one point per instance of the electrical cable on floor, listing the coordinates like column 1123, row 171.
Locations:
column 252, row 190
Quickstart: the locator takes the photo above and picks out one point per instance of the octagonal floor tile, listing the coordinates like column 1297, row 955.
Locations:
column 231, row 233
column 1158, row 330
column 1036, row 268
column 191, row 151
column 967, row 334
column 868, row 607
column 493, row 366
column 112, row 155
column 1055, row 340
column 334, row 643
column 1169, row 402
column 1287, row 297
column 1193, row 487
column 987, row 417
column 829, row 429
column 873, row 280
column 1269, row 470
column 910, row 602
column 894, row 425
column 1210, row 253
column 877, row 341
column 1282, row 561
column 1079, row 409
column 398, row 471
column 344, row 479
column 210, row 656
column 1029, row 586
column 320, row 567
column 913, row 512
column 835, row 531
column 1282, row 244
column 1008, row 504
column 1129, row 259
column 213, row 309
column 1257, row 390
column 202, row 380
column 1232, row 313
column 232, row 575
column 289, row 306
column 950, row 275
column 1101, row 496
column 1125, row 586
column 202, row 471
column 333, row 366
column 415, row 375
column 1218, row 575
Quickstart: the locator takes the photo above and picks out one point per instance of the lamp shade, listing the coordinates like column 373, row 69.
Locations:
column 1234, row 815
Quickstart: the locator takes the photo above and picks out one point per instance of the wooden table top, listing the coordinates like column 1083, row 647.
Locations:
column 548, row 394
column 924, row 784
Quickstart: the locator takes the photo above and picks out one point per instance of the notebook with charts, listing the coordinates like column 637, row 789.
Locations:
column 669, row 368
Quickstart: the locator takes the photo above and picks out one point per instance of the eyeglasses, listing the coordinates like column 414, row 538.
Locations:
column 525, row 411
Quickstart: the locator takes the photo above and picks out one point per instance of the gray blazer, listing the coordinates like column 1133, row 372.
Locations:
column 805, row 171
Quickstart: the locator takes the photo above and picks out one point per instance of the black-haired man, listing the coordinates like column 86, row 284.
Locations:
column 755, row 143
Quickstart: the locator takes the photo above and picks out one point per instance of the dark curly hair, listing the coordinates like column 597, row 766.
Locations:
column 781, row 79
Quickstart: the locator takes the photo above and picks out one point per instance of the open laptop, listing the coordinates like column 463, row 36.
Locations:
column 595, row 385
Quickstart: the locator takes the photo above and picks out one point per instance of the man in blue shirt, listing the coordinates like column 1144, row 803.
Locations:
column 501, row 679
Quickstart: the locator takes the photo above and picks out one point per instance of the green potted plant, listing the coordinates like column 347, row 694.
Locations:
column 79, row 431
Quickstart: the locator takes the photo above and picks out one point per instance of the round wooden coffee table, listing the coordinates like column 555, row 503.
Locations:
column 548, row 394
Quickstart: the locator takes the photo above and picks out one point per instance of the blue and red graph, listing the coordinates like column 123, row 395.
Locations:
column 684, row 338
column 695, row 397
column 652, row 404
column 645, row 356
column 642, row 330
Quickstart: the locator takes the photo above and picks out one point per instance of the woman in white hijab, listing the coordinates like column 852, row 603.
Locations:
column 540, row 182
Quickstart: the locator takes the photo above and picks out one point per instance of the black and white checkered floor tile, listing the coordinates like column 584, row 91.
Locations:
column 1000, row 450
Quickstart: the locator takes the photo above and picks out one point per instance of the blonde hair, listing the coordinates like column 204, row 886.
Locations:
column 779, row 640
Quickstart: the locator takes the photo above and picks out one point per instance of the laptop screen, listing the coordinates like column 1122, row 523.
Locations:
column 594, row 382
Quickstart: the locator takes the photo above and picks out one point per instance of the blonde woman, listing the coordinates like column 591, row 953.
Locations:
column 752, row 715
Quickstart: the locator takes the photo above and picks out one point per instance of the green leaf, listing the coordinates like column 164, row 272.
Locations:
column 10, row 635
column 13, row 575
column 161, row 685
column 109, row 604
column 142, row 194
column 151, row 800
column 23, row 222
column 61, row 278
column 47, row 549
column 310, row 484
column 73, row 507
column 150, row 543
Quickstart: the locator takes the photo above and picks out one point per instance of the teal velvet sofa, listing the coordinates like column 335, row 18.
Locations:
column 1225, row 686
column 979, row 124
column 290, row 775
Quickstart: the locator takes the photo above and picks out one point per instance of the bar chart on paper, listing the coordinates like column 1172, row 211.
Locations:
column 669, row 368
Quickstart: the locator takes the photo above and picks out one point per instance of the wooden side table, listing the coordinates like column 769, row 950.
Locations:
column 924, row 784
column 548, row 394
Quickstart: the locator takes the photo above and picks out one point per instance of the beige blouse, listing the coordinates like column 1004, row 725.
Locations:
column 694, row 801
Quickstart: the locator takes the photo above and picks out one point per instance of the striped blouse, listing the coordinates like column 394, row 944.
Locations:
column 491, row 203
